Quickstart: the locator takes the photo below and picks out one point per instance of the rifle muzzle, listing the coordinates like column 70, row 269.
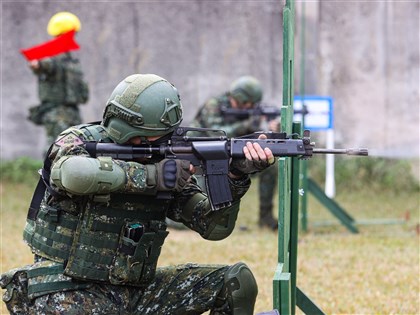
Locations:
column 352, row 151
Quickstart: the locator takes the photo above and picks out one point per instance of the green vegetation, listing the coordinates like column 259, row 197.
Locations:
column 376, row 173
column 373, row 272
column 21, row 170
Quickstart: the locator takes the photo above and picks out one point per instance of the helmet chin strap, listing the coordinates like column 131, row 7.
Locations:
column 144, row 140
column 163, row 139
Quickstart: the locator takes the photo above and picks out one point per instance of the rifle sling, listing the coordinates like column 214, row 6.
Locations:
column 44, row 180
column 43, row 184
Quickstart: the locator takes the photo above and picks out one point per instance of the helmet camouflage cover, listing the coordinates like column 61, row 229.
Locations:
column 142, row 105
column 246, row 89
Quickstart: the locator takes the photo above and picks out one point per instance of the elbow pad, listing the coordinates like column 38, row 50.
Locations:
column 223, row 223
column 81, row 175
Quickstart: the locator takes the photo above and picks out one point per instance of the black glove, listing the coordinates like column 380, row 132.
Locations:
column 172, row 175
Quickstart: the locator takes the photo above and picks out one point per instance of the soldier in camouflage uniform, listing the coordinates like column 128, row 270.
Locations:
column 61, row 87
column 98, row 231
column 244, row 93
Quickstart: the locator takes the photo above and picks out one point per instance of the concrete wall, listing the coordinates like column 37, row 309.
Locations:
column 364, row 54
column 200, row 46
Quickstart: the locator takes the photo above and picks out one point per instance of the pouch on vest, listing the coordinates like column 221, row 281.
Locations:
column 116, row 246
column 138, row 252
column 51, row 236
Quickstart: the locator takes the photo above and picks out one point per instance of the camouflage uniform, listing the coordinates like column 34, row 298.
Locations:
column 167, row 294
column 81, row 267
column 210, row 116
column 59, row 94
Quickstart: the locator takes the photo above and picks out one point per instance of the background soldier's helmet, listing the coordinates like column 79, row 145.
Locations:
column 142, row 105
column 246, row 89
column 63, row 22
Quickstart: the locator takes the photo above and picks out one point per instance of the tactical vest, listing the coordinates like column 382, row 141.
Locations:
column 114, row 239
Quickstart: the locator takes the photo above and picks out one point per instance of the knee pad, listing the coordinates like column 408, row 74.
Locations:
column 241, row 288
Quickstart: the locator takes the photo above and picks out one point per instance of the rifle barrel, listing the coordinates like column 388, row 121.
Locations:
column 352, row 151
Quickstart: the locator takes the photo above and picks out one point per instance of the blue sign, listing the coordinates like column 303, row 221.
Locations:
column 319, row 115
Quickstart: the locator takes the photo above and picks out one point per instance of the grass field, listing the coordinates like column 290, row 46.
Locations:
column 373, row 272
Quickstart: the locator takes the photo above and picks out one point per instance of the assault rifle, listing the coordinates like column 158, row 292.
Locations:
column 212, row 154
column 269, row 111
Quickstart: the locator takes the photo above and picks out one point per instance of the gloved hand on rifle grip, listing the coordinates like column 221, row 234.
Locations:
column 256, row 159
column 245, row 166
column 172, row 175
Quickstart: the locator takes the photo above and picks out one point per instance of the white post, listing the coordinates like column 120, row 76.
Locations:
column 329, row 172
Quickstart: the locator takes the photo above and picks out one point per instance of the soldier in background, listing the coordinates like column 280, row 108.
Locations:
column 244, row 93
column 98, row 231
column 61, row 87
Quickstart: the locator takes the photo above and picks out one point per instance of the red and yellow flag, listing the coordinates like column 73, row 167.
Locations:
column 56, row 46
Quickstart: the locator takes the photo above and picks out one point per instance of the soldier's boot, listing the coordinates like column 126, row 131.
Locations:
column 266, row 218
column 240, row 289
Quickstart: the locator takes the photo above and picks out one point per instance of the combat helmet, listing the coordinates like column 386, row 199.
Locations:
column 63, row 22
column 142, row 105
column 246, row 89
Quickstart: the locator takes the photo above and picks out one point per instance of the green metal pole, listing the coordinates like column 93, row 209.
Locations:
column 288, row 64
column 283, row 293
column 303, row 163
column 294, row 220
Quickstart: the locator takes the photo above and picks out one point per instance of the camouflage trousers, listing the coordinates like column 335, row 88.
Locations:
column 60, row 118
column 183, row 289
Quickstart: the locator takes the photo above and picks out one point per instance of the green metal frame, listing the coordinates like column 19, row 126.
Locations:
column 303, row 163
column 345, row 218
column 284, row 288
column 285, row 293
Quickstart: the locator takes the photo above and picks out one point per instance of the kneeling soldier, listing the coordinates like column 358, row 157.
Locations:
column 98, row 231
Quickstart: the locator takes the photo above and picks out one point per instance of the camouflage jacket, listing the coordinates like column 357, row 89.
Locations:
column 91, row 235
column 210, row 116
column 201, row 218
column 60, row 80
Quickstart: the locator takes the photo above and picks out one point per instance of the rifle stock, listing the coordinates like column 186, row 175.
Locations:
column 213, row 154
